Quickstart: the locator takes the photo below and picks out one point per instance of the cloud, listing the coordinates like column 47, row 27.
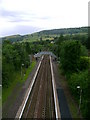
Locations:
column 45, row 14
column 7, row 13
column 14, row 16
column 21, row 29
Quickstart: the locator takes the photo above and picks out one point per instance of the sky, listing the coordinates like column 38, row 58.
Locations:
column 29, row 16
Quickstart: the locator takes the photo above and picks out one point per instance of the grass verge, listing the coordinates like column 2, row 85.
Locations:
column 28, row 71
column 6, row 92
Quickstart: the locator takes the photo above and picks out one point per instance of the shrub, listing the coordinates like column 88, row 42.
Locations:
column 84, row 63
column 80, row 79
column 70, row 55
column 84, row 51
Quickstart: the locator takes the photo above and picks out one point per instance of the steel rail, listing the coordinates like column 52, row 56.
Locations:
column 21, row 109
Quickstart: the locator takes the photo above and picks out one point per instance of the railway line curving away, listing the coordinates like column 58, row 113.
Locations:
column 41, row 102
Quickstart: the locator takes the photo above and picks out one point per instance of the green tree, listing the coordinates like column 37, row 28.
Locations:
column 70, row 55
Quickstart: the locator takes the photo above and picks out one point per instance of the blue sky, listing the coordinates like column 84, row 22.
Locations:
column 28, row 16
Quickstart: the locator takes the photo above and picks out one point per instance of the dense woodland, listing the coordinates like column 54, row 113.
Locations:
column 71, row 51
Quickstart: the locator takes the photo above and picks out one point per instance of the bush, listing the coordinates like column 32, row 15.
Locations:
column 84, row 63
column 80, row 79
column 70, row 55
column 84, row 51
column 75, row 62
column 13, row 55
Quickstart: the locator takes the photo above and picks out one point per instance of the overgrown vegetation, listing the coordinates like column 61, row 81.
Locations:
column 13, row 56
column 16, row 80
column 15, row 64
column 80, row 79
column 74, row 61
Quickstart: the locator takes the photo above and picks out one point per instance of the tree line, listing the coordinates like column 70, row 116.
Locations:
column 14, row 54
column 75, row 63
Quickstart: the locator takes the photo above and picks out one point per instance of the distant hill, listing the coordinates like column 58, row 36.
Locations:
column 65, row 31
column 45, row 33
column 13, row 38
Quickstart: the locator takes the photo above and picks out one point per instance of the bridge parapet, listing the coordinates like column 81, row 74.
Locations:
column 39, row 54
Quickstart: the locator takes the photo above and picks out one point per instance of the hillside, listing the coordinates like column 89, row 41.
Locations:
column 46, row 34
column 65, row 31
column 13, row 38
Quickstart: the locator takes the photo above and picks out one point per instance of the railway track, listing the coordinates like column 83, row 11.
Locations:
column 40, row 103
